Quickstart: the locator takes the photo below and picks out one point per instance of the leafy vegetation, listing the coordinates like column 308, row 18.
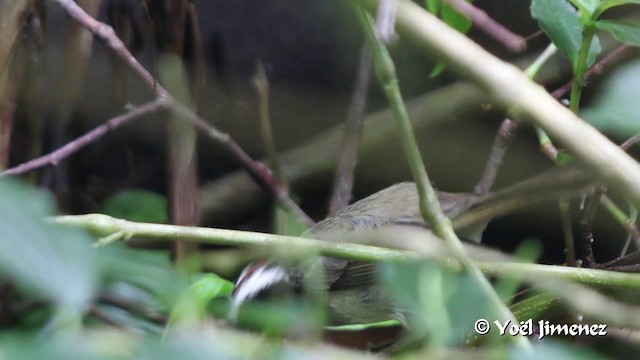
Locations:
column 71, row 289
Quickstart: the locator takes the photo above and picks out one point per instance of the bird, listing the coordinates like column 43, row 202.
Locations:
column 354, row 295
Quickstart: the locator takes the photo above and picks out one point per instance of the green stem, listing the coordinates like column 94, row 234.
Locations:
column 549, row 275
column 581, row 68
column 103, row 225
column 430, row 207
column 533, row 69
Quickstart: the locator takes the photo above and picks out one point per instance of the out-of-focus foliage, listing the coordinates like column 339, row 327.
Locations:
column 69, row 300
column 554, row 351
column 616, row 109
column 137, row 205
column 287, row 223
column 48, row 262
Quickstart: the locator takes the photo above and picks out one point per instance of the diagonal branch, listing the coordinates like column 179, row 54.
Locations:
column 53, row 158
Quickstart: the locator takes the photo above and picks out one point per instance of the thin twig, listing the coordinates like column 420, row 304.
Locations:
column 585, row 248
column 198, row 63
column 504, row 137
column 622, row 218
column 633, row 217
column 343, row 183
column 484, row 22
column 569, row 243
column 53, row 158
column 261, row 84
column 257, row 170
column 507, row 131
column 630, row 142
column 629, row 259
column 181, row 137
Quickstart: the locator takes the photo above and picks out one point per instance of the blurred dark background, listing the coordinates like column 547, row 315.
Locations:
column 310, row 52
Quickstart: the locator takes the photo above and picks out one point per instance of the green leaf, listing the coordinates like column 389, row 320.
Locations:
column 454, row 19
column 564, row 157
column 192, row 304
column 54, row 263
column 560, row 21
column 433, row 6
column 624, row 31
column 210, row 286
column 594, row 50
column 616, row 109
column 436, row 298
column 147, row 270
column 607, row 4
column 137, row 205
column 439, row 68
column 587, row 7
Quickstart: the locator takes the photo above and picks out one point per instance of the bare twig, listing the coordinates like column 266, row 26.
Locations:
column 261, row 84
column 257, row 170
column 630, row 142
column 12, row 21
column 199, row 70
column 70, row 148
column 181, row 136
column 629, row 259
column 622, row 218
column 504, row 137
column 343, row 183
column 482, row 21
column 35, row 82
column 569, row 243
column 585, row 248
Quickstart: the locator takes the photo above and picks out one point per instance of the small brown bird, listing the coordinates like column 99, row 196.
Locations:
column 354, row 296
